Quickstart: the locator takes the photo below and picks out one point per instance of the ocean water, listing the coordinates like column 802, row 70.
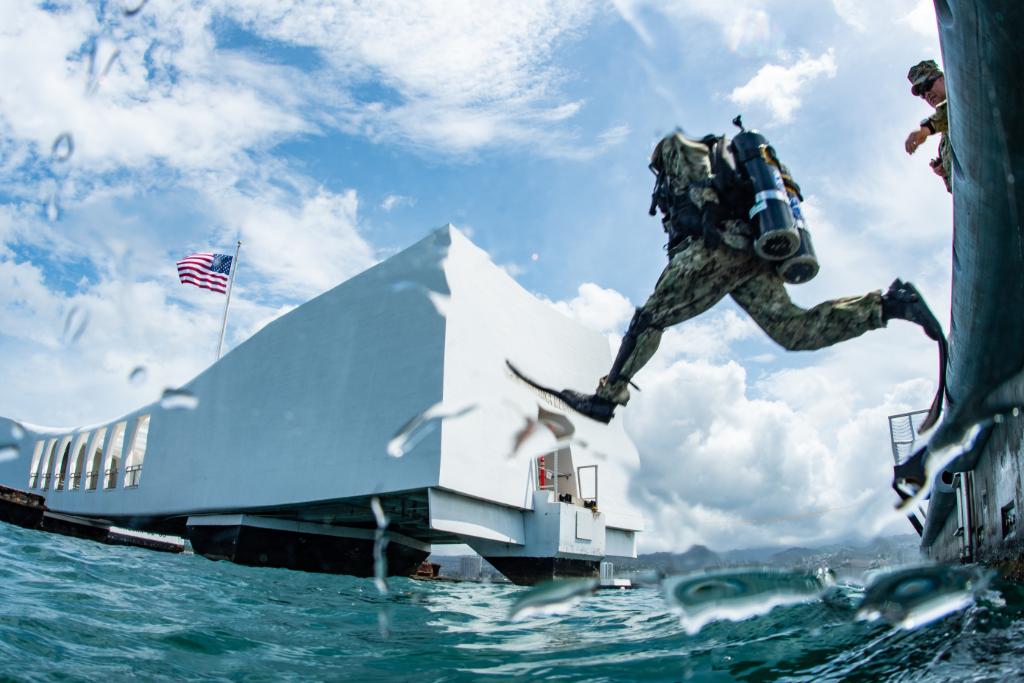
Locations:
column 76, row 610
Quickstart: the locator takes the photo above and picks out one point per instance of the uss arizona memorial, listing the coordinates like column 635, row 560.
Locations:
column 287, row 442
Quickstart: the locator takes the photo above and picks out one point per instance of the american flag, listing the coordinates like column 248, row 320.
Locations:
column 206, row 270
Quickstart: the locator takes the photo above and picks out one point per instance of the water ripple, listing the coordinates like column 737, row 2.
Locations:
column 74, row 609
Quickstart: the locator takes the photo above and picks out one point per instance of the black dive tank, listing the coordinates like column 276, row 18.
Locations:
column 778, row 237
column 803, row 265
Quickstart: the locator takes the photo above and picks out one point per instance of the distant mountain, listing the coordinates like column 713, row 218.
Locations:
column 793, row 556
column 749, row 555
column 697, row 557
column 851, row 556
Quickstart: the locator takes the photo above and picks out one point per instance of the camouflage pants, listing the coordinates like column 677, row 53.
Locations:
column 697, row 278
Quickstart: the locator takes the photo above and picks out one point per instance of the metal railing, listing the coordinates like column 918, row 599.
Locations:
column 111, row 475
column 90, row 481
column 589, row 501
column 132, row 474
column 903, row 433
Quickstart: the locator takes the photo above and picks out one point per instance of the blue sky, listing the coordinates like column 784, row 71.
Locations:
column 329, row 135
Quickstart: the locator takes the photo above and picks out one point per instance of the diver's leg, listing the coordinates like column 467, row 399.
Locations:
column 764, row 297
column 695, row 280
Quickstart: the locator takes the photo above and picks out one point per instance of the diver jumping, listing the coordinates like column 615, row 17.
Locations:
column 732, row 213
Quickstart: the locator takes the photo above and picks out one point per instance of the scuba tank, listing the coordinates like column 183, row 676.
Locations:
column 803, row 265
column 783, row 236
column 772, row 215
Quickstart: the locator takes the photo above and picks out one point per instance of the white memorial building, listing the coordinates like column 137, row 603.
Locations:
column 291, row 435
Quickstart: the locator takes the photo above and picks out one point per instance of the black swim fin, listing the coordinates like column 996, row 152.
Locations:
column 903, row 302
column 588, row 405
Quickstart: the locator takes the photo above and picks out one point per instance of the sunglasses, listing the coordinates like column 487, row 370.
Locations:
column 922, row 89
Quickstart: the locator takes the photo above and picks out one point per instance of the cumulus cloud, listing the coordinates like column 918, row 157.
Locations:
column 801, row 455
column 123, row 325
column 460, row 77
column 463, row 75
column 600, row 309
column 780, row 88
column 301, row 248
column 799, row 451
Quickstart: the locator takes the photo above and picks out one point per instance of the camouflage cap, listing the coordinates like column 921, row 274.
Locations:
column 921, row 73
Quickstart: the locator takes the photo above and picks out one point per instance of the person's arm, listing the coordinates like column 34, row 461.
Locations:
column 917, row 137
column 938, row 122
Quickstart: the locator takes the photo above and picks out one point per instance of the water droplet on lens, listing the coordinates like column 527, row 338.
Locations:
column 559, row 425
column 528, row 429
column 110, row 63
column 75, row 324
column 63, row 147
column 8, row 452
column 174, row 399
column 131, row 8
column 378, row 513
column 380, row 544
column 53, row 208
column 914, row 596
column 441, row 302
column 422, row 425
column 17, row 432
column 737, row 595
column 383, row 623
column 551, row 597
column 1015, row 412
column 137, row 375
column 406, row 285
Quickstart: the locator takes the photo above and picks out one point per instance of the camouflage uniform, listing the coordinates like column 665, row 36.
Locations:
column 938, row 122
column 698, row 276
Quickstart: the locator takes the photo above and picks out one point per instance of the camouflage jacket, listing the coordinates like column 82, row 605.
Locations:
column 938, row 122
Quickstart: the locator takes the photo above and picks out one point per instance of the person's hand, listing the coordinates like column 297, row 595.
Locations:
column 916, row 139
column 937, row 168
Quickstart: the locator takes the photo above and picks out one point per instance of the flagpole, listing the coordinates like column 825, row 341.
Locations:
column 231, row 283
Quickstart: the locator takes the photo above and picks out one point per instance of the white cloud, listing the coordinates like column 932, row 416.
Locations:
column 855, row 13
column 127, row 324
column 301, row 248
column 801, row 453
column 627, row 10
column 779, row 88
column 614, row 135
column 602, row 310
column 922, row 19
column 465, row 74
column 460, row 77
column 807, row 461
column 745, row 25
column 394, row 200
